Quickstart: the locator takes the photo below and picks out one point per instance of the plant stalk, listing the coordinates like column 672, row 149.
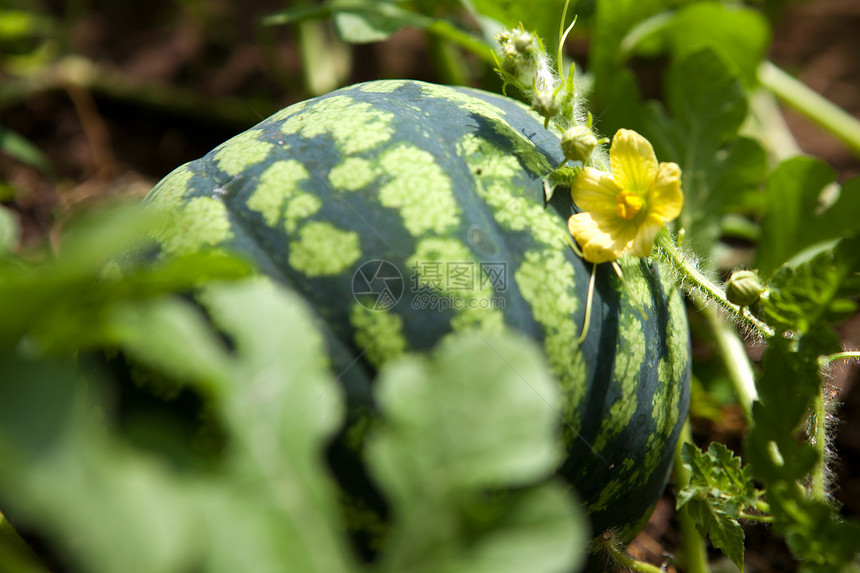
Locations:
column 818, row 437
column 692, row 544
column 812, row 105
column 631, row 564
column 463, row 39
column 735, row 359
column 847, row 355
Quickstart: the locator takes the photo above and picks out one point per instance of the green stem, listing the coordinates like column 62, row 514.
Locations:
column 755, row 517
column 735, row 359
column 817, row 108
column 702, row 290
column 818, row 435
column 692, row 544
column 767, row 120
column 467, row 41
column 114, row 84
column 325, row 59
column 631, row 564
column 847, row 355
column 449, row 61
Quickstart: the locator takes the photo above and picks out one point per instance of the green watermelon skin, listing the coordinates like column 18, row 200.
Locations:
column 434, row 180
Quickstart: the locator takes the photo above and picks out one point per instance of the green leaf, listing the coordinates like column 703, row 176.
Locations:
column 820, row 538
column 718, row 472
column 616, row 97
column 480, row 414
column 59, row 471
column 739, row 33
column 17, row 147
column 815, row 293
column 789, row 384
column 797, row 215
column 417, row 397
column 541, row 17
column 9, row 230
column 357, row 21
column 268, row 505
column 282, row 407
column 373, row 20
column 65, row 302
column 171, row 335
column 722, row 529
column 738, row 171
column 707, row 101
column 278, row 383
column 718, row 491
column 708, row 105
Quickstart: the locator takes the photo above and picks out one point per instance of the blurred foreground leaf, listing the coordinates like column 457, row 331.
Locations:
column 459, row 430
column 112, row 508
column 63, row 301
column 464, row 452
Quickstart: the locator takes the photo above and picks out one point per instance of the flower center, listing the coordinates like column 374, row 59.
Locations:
column 627, row 204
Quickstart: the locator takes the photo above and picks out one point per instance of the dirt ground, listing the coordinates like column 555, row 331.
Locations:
column 172, row 85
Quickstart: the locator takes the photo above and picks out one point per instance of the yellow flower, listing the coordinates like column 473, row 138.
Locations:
column 623, row 211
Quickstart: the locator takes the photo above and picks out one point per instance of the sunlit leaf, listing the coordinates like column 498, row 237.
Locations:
column 740, row 33
column 797, row 216
column 816, row 292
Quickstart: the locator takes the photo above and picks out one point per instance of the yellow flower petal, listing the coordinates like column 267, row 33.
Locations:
column 665, row 194
column 642, row 243
column 597, row 247
column 601, row 239
column 632, row 160
column 594, row 190
column 623, row 211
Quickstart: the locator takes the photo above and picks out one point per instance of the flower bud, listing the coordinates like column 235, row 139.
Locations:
column 577, row 143
column 520, row 51
column 744, row 288
column 547, row 104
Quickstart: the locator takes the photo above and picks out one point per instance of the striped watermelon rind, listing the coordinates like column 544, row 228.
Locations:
column 430, row 179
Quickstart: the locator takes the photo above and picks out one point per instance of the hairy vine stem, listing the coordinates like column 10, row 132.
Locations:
column 702, row 290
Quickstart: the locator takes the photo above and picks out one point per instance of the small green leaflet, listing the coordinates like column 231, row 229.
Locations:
column 560, row 177
column 720, row 490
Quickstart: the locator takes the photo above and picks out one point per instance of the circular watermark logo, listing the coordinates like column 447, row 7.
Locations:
column 377, row 285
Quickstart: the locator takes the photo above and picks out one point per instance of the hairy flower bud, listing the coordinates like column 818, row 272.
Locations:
column 577, row 143
column 520, row 51
column 546, row 103
column 744, row 288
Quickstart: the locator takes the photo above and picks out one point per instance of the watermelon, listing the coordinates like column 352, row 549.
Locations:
column 404, row 211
